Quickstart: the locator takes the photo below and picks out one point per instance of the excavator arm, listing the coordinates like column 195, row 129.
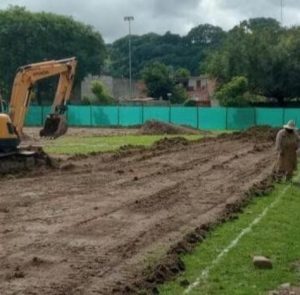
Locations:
column 24, row 81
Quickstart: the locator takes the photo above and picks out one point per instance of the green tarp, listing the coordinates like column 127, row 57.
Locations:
column 197, row 117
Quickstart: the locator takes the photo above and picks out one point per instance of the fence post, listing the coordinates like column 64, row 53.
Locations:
column 142, row 113
column 42, row 114
column 67, row 114
column 118, row 115
column 226, row 118
column 170, row 110
column 198, row 126
column 255, row 119
column 91, row 115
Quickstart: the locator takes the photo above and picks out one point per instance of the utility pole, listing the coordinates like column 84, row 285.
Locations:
column 129, row 19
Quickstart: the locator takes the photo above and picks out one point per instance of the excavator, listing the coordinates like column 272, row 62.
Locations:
column 14, row 156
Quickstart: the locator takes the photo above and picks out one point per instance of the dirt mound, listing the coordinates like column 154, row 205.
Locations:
column 167, row 143
column 262, row 132
column 157, row 127
column 258, row 133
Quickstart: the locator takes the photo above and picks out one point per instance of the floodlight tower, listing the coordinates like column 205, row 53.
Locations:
column 281, row 11
column 129, row 19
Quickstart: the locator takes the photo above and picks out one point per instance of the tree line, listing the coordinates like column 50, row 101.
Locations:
column 27, row 37
column 258, row 59
column 255, row 60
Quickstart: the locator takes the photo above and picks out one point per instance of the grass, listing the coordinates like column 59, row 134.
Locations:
column 277, row 236
column 83, row 145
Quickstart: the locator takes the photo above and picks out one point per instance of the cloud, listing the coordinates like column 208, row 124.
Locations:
column 177, row 16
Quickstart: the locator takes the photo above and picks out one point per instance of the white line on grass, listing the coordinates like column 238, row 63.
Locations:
column 204, row 274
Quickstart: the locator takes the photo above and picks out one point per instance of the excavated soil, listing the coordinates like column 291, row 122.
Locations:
column 157, row 127
column 115, row 224
column 286, row 291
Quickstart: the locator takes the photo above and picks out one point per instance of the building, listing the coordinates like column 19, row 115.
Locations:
column 118, row 88
column 201, row 89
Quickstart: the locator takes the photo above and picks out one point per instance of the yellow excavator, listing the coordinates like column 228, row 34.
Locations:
column 12, row 122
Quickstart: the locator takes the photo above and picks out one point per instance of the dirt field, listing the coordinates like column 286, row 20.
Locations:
column 93, row 226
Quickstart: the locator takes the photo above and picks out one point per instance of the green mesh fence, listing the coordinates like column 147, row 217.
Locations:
column 34, row 117
column 202, row 118
column 240, row 118
column 80, row 116
column 104, row 116
column 129, row 116
column 184, row 116
column 212, row 118
column 292, row 114
column 156, row 113
column 271, row 117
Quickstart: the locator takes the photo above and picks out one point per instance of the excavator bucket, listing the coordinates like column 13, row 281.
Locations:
column 55, row 126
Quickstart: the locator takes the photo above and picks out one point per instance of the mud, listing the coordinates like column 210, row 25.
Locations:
column 108, row 224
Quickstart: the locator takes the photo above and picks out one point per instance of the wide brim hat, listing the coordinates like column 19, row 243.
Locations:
column 290, row 125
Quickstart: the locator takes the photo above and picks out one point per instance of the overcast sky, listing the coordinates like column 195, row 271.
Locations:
column 177, row 16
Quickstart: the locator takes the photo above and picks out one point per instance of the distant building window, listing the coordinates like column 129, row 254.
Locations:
column 198, row 84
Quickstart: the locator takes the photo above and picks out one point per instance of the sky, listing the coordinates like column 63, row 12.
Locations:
column 160, row 16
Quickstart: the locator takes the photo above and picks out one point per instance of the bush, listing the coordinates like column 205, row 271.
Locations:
column 233, row 93
column 86, row 100
column 190, row 103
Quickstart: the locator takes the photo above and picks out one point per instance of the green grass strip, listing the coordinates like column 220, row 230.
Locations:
column 84, row 145
column 276, row 235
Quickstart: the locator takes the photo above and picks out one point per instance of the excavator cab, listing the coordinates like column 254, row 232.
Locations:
column 9, row 139
column 8, row 135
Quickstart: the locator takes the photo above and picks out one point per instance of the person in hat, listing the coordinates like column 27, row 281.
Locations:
column 287, row 143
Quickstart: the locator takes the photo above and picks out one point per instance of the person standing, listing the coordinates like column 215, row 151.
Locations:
column 287, row 143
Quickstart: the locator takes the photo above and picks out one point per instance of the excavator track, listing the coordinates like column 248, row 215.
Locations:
column 22, row 160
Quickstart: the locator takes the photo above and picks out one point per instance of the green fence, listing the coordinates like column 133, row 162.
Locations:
column 197, row 117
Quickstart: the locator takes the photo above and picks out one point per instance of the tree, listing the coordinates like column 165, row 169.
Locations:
column 27, row 37
column 182, row 74
column 171, row 49
column 162, row 83
column 158, row 80
column 264, row 53
column 233, row 92
column 206, row 35
column 179, row 95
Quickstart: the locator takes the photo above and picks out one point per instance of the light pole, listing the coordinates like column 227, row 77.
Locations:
column 129, row 19
column 282, row 4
